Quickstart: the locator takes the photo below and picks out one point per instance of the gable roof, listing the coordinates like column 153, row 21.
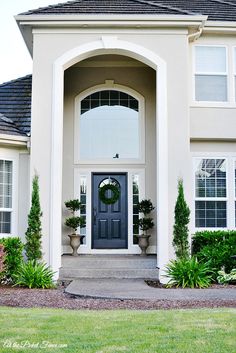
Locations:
column 15, row 106
column 217, row 10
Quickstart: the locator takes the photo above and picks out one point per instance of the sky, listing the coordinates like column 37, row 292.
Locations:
column 15, row 60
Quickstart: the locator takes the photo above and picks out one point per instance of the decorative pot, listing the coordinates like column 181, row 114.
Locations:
column 75, row 241
column 143, row 242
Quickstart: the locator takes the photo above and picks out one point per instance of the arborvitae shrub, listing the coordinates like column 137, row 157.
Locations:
column 182, row 214
column 34, row 230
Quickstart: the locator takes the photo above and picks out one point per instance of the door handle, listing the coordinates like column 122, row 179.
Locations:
column 94, row 215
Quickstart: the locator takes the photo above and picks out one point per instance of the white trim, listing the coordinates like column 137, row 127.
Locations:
column 110, row 85
column 14, row 140
column 68, row 59
column 66, row 249
column 181, row 19
column 79, row 172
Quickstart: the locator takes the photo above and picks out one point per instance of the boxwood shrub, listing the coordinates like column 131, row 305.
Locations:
column 215, row 248
column 13, row 248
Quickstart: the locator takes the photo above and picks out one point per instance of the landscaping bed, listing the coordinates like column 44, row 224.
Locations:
column 57, row 298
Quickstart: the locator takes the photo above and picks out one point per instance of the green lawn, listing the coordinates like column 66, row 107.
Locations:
column 179, row 331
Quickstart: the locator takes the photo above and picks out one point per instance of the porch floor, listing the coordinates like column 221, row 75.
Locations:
column 108, row 266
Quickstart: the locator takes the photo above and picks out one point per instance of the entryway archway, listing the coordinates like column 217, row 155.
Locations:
column 108, row 45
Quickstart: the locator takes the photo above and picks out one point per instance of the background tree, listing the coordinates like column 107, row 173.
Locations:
column 182, row 217
column 34, row 230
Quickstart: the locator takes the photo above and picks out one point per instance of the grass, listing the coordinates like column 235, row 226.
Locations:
column 172, row 331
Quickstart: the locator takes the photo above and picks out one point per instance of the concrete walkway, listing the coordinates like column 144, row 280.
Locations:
column 137, row 289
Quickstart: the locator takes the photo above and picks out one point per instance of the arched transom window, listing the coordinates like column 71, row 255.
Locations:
column 109, row 126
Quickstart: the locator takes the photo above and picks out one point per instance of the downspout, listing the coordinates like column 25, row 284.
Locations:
column 194, row 36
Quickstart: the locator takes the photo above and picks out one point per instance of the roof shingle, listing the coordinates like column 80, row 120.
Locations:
column 217, row 10
column 15, row 104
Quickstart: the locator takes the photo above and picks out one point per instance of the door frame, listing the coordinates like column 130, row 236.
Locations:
column 80, row 171
column 126, row 204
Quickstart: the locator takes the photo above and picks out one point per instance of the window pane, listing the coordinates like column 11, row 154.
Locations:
column 83, row 200
column 210, row 214
column 211, row 88
column 109, row 126
column 5, row 222
column 210, row 178
column 210, row 59
column 5, row 184
column 135, row 209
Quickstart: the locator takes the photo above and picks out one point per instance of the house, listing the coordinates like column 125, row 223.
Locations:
column 137, row 92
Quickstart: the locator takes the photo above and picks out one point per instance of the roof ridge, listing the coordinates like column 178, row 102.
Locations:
column 10, row 121
column 6, row 119
column 15, row 80
column 224, row 2
column 147, row 2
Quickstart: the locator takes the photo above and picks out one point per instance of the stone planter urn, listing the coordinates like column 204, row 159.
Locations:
column 143, row 242
column 75, row 241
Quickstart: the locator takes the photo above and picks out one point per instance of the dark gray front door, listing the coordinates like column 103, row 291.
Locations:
column 109, row 230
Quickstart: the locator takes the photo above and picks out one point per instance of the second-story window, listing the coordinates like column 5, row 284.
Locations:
column 210, row 74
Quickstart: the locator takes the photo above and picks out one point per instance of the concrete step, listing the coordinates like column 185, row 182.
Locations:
column 108, row 266
column 109, row 262
column 69, row 273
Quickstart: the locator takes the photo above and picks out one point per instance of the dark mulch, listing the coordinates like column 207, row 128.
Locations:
column 157, row 284
column 56, row 298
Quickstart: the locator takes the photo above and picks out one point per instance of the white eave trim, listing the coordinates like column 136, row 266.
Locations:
column 220, row 27
column 33, row 19
column 14, row 140
column 110, row 21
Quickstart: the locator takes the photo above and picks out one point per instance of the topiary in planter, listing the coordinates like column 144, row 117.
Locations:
column 145, row 224
column 74, row 222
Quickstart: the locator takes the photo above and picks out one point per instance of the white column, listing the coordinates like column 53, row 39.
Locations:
column 162, row 172
column 56, row 169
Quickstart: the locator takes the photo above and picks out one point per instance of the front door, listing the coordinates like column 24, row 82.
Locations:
column 109, row 229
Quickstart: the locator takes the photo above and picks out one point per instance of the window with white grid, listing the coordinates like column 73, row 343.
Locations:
column 211, row 74
column 5, row 196
column 83, row 200
column 109, row 126
column 210, row 193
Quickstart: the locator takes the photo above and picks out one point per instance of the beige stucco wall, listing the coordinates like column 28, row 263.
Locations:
column 213, row 123
column 172, row 47
column 24, row 193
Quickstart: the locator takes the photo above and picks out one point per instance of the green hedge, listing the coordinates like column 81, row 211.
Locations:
column 13, row 248
column 216, row 248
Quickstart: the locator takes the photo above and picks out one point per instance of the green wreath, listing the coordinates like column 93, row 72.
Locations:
column 115, row 194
